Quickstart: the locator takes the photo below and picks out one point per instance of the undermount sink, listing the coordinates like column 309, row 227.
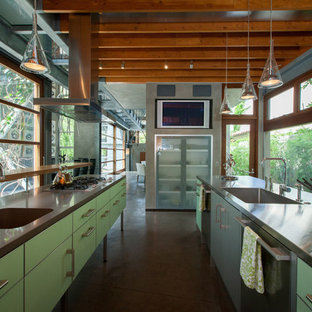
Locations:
column 16, row 217
column 258, row 196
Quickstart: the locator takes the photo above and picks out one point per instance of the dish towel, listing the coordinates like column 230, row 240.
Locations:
column 202, row 197
column 251, row 263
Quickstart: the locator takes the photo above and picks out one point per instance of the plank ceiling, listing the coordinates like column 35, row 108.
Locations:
column 146, row 35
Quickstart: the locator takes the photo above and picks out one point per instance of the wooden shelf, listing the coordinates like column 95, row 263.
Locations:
column 29, row 172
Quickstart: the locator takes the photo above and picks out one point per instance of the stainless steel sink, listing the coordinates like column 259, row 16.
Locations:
column 15, row 217
column 258, row 196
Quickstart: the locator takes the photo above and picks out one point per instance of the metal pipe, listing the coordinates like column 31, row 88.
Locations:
column 276, row 158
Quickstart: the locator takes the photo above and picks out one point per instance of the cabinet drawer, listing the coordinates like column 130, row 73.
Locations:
column 45, row 242
column 13, row 300
column 11, row 269
column 301, row 306
column 81, row 215
column 45, row 285
column 84, row 243
column 102, row 223
column 115, row 190
column 115, row 209
column 103, row 199
column 304, row 278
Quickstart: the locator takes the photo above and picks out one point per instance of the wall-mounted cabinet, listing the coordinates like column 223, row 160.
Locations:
column 179, row 160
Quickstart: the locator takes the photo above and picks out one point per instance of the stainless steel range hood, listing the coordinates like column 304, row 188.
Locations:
column 82, row 104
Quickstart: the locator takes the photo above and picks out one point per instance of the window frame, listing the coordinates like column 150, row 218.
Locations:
column 38, row 142
column 297, row 117
column 243, row 119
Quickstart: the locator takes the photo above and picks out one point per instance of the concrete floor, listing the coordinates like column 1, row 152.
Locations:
column 156, row 264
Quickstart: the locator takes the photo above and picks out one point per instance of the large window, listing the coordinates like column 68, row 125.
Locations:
column 66, row 133
column 239, row 134
column 19, row 127
column 112, row 149
column 289, row 135
column 295, row 145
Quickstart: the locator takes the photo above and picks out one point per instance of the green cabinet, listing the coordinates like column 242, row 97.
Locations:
column 301, row 306
column 48, row 281
column 102, row 222
column 81, row 215
column 304, row 286
column 198, row 206
column 45, row 242
column 11, row 269
column 13, row 300
column 226, row 244
column 84, row 243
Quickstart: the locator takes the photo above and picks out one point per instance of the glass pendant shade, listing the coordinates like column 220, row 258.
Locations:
column 271, row 77
column 225, row 106
column 34, row 59
column 248, row 89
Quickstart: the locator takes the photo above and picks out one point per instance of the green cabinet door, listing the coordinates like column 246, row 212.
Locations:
column 102, row 223
column 301, row 306
column 198, row 210
column 47, row 282
column 304, row 285
column 13, row 301
column 84, row 242
column 11, row 268
column 114, row 210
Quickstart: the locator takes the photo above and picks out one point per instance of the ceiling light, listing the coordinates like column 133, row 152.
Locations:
column 271, row 76
column 123, row 65
column 166, row 66
column 34, row 59
column 101, row 67
column 191, row 65
column 248, row 89
column 225, row 106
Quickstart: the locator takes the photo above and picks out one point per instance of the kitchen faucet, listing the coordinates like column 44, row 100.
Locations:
column 2, row 176
column 282, row 188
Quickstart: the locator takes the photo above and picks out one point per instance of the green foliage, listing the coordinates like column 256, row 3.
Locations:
column 240, row 152
column 240, row 108
column 296, row 147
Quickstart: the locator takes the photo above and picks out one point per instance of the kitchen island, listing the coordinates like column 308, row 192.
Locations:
column 54, row 247
column 285, row 226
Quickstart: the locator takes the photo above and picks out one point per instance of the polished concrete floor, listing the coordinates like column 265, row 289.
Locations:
column 157, row 264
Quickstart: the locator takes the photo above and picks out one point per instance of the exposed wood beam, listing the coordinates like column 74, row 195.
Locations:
column 175, row 79
column 191, row 27
column 199, row 40
column 82, row 6
column 176, row 73
column 181, row 64
column 189, row 53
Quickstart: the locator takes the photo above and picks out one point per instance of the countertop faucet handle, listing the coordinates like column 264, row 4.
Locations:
column 284, row 188
column 299, row 190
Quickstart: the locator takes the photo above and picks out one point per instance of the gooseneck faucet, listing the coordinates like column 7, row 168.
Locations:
column 2, row 176
column 282, row 188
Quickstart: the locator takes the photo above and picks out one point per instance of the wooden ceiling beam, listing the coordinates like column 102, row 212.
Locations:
column 82, row 6
column 190, row 54
column 175, row 79
column 181, row 64
column 199, row 40
column 193, row 27
column 176, row 72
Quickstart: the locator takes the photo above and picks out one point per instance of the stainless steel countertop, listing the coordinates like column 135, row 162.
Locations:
column 291, row 224
column 63, row 202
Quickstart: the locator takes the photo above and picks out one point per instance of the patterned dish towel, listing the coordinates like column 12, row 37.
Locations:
column 202, row 198
column 251, row 263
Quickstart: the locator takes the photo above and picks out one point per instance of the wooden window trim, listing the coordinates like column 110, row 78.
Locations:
column 19, row 142
column 29, row 110
column 298, row 116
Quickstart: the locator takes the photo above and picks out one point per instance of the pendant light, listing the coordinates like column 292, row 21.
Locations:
column 225, row 106
column 248, row 89
column 271, row 77
column 34, row 59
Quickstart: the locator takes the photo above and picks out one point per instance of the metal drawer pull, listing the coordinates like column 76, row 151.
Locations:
column 208, row 191
column 276, row 253
column 89, row 232
column 124, row 184
column 198, row 184
column 116, row 202
column 309, row 297
column 72, row 272
column 105, row 214
column 88, row 213
column 3, row 283
column 123, row 195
